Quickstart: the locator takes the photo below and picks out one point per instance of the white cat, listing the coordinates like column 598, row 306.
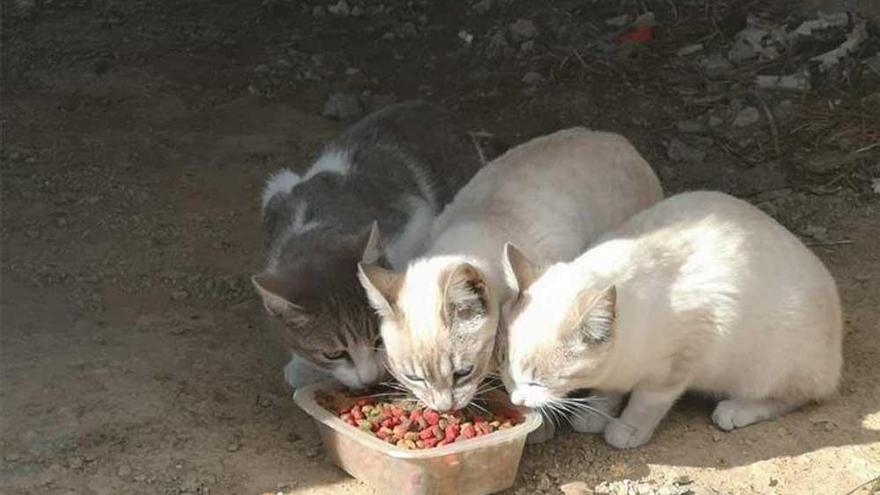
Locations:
column 553, row 195
column 700, row 292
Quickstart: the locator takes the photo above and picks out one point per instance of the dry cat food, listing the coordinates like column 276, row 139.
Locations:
column 408, row 426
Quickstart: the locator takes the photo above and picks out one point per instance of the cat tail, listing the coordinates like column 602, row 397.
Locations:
column 279, row 183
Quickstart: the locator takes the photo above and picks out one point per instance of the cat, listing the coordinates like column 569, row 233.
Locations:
column 394, row 170
column 700, row 292
column 553, row 194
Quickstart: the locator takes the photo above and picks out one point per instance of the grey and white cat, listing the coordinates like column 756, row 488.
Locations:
column 393, row 171
column 553, row 195
column 701, row 292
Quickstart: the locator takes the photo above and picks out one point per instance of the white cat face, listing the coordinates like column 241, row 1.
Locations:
column 557, row 338
column 438, row 323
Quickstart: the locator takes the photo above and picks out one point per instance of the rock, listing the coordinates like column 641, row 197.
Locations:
column 790, row 82
column 716, row 436
column 342, row 106
column 465, row 36
column 11, row 457
column 356, row 11
column 689, row 50
column 683, row 480
column 498, row 45
column 827, row 162
column 681, row 152
column 619, row 21
column 483, row 6
column 124, row 471
column 340, row 8
column 544, row 483
column 875, row 185
column 746, row 117
column 690, row 126
column 318, row 11
column 741, row 52
column 179, row 295
column 533, row 79
column 818, row 233
column 714, row 121
column 261, row 69
column 575, row 488
column 75, row 463
column 715, row 65
column 522, row 30
column 234, row 446
column 527, row 46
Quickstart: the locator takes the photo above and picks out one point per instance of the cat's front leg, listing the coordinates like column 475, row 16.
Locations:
column 602, row 407
column 643, row 412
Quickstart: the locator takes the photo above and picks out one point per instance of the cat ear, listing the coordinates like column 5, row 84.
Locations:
column 465, row 302
column 519, row 271
column 382, row 287
column 599, row 312
column 270, row 287
column 373, row 249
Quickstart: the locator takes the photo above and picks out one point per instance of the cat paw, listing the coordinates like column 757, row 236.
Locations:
column 545, row 432
column 732, row 414
column 622, row 436
column 588, row 422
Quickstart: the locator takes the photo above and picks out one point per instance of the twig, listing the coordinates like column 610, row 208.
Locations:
column 866, row 148
column 774, row 131
column 830, row 243
column 876, row 478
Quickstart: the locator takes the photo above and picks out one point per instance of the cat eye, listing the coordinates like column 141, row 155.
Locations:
column 462, row 373
column 536, row 384
column 414, row 378
column 378, row 343
column 336, row 355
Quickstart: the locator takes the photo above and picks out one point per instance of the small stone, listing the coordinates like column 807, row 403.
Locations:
column 522, row 30
column 140, row 478
column 261, row 69
column 681, row 152
column 544, row 483
column 124, row 471
column 533, row 79
column 465, row 36
column 342, row 106
column 746, row 117
column 352, row 71
column 356, row 11
column 341, row 8
column 11, row 457
column 875, row 185
column 689, row 50
column 619, row 21
column 715, row 121
column 715, row 65
column 575, row 488
column 75, row 463
column 716, row 437
column 483, row 6
column 318, row 11
column 233, row 447
column 741, row 52
column 90, row 457
column 690, row 126
column 773, row 482
column 683, row 480
column 527, row 46
column 312, row 451
column 827, row 162
column 179, row 295
column 93, row 200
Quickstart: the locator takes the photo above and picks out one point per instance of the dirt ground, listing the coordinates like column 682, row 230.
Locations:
column 135, row 358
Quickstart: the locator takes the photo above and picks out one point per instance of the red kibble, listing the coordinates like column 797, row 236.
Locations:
column 432, row 417
column 415, row 428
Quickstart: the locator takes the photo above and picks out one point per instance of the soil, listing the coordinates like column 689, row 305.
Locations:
column 136, row 138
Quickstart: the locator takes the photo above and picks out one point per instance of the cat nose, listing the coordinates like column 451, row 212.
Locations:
column 517, row 397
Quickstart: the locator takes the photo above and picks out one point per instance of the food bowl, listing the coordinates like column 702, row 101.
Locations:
column 477, row 466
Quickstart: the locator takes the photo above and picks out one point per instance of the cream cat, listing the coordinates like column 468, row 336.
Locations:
column 700, row 292
column 552, row 195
